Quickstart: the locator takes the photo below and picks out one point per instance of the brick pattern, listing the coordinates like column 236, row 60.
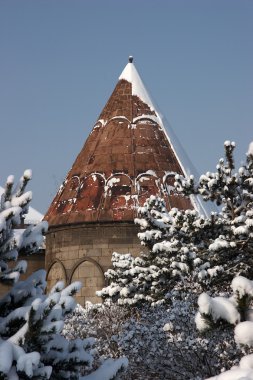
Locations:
column 120, row 102
column 117, row 147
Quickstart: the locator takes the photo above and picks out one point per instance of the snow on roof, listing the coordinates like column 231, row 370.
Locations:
column 188, row 168
column 32, row 217
column 130, row 74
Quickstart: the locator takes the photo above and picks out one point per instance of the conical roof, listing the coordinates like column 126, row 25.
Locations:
column 127, row 157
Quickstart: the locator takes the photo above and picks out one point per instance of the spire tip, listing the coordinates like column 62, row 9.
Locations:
column 130, row 59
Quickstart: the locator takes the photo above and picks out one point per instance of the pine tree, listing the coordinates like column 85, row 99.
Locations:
column 31, row 344
column 232, row 244
column 187, row 250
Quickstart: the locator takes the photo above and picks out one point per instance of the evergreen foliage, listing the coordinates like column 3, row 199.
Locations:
column 224, row 312
column 185, row 249
column 31, row 322
column 160, row 342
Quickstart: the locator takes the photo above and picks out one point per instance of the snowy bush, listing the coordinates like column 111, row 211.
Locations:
column 187, row 254
column 31, row 322
column 160, row 342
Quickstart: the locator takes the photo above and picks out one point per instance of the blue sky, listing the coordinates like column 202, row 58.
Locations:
column 60, row 60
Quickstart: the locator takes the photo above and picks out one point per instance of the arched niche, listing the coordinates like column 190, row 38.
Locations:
column 100, row 123
column 147, row 184
column 72, row 186
column 90, row 273
column 69, row 193
column 121, row 120
column 90, row 192
column 56, row 272
column 146, row 119
column 117, row 127
column 118, row 192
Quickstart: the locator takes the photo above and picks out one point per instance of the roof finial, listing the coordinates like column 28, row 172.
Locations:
column 130, row 59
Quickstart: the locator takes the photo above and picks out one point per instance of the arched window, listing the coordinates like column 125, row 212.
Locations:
column 56, row 272
column 118, row 195
column 89, row 272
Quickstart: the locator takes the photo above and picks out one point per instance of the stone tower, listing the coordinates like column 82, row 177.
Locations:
column 127, row 157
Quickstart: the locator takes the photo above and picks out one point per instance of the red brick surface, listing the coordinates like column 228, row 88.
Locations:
column 116, row 148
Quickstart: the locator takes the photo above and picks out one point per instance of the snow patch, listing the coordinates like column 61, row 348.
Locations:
column 108, row 370
column 131, row 75
column 33, row 216
column 242, row 286
column 218, row 308
column 244, row 333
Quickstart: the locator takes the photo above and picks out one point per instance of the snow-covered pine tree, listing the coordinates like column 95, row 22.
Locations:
column 188, row 250
column 231, row 246
column 13, row 206
column 31, row 344
column 169, row 258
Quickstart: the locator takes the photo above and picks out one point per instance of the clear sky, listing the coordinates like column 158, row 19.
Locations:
column 60, row 61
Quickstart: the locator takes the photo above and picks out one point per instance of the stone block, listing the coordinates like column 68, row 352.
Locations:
column 118, row 246
column 68, row 263
column 82, row 253
column 124, row 250
column 91, row 282
column 85, row 271
column 94, row 252
column 107, row 252
column 73, row 254
column 104, row 261
column 86, row 242
column 67, row 236
column 89, row 291
column 120, row 240
column 94, row 299
column 100, row 244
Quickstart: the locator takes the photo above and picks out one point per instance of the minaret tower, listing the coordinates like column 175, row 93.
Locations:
column 127, row 157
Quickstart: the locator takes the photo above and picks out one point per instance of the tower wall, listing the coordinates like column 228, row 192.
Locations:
column 35, row 262
column 83, row 252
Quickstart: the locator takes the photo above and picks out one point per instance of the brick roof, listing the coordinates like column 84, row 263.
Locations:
column 126, row 158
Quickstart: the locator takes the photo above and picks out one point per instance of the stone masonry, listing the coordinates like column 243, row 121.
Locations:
column 83, row 253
